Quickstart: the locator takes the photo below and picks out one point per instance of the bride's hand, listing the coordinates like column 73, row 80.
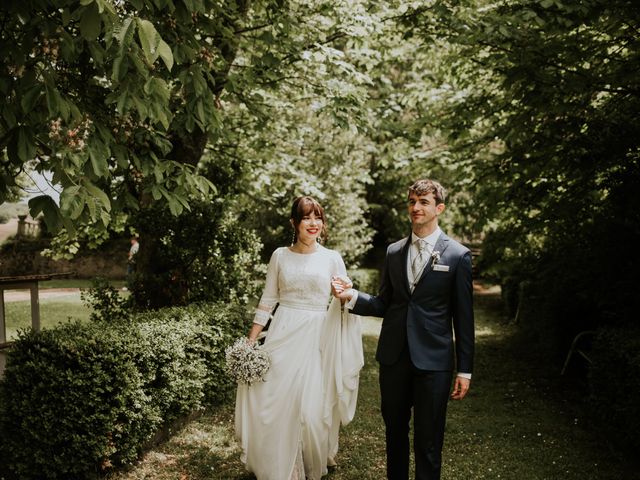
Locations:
column 340, row 284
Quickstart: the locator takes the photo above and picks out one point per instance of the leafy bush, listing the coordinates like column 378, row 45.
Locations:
column 224, row 323
column 72, row 402
column 365, row 279
column 82, row 398
column 105, row 301
column 198, row 256
column 615, row 386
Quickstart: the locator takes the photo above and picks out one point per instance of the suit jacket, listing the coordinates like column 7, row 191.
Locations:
column 425, row 319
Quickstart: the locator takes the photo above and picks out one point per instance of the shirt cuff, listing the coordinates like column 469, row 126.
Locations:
column 464, row 375
column 261, row 317
column 352, row 301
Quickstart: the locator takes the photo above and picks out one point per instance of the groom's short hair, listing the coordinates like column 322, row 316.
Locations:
column 425, row 186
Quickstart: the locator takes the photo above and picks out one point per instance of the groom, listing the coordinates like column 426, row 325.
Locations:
column 425, row 296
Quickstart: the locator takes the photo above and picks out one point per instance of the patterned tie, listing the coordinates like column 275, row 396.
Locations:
column 420, row 260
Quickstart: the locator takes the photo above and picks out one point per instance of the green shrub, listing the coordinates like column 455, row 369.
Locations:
column 365, row 279
column 72, row 402
column 105, row 301
column 224, row 323
column 83, row 398
column 615, row 386
column 202, row 255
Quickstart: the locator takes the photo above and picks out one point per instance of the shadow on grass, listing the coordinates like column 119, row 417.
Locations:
column 519, row 421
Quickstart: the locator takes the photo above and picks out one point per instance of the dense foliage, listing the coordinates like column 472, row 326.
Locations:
column 365, row 279
column 616, row 355
column 411, row 87
column 83, row 398
column 195, row 123
column 105, row 302
column 90, row 95
column 524, row 109
column 543, row 99
column 148, row 109
column 202, row 255
column 546, row 109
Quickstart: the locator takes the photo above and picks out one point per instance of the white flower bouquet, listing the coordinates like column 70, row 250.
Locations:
column 247, row 362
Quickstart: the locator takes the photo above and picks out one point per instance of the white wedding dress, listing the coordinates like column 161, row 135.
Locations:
column 288, row 425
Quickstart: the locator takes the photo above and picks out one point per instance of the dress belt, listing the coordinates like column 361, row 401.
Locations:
column 305, row 306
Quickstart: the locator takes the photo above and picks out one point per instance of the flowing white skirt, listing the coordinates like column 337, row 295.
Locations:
column 288, row 425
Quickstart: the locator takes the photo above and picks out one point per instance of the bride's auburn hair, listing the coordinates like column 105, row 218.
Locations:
column 303, row 206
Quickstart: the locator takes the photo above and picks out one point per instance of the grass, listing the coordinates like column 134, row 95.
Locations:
column 53, row 311
column 519, row 421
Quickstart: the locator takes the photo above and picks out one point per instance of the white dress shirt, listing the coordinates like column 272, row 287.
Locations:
column 430, row 241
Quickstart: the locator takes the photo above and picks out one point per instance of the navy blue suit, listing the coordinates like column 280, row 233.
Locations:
column 416, row 349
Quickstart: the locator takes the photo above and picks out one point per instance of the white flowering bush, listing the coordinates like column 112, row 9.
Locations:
column 247, row 362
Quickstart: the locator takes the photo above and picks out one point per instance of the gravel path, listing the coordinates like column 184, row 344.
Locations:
column 22, row 295
column 8, row 229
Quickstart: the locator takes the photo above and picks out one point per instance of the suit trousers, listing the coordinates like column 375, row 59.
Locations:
column 403, row 387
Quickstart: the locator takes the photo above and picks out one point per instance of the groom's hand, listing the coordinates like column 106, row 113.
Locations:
column 460, row 388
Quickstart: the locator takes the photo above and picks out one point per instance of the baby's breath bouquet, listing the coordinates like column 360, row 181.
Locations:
column 247, row 362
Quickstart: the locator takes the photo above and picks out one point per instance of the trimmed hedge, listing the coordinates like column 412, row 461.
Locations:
column 80, row 399
column 615, row 385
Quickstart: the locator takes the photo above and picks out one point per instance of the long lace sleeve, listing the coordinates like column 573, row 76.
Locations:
column 339, row 267
column 270, row 295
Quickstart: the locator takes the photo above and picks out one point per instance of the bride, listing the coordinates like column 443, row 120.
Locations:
column 288, row 425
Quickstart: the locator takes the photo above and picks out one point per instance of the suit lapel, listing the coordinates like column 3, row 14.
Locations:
column 403, row 263
column 441, row 245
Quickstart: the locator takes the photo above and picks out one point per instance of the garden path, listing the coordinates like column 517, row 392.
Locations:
column 520, row 421
column 23, row 295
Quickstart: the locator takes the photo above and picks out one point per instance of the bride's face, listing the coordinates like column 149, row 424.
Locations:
column 309, row 228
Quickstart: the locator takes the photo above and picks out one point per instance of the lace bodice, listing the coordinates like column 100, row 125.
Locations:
column 301, row 279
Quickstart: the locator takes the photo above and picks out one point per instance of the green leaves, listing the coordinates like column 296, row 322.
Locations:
column 124, row 33
column 546, row 120
column 30, row 98
column 44, row 204
column 121, row 101
column 21, row 147
column 99, row 156
column 90, row 22
column 152, row 44
column 72, row 201
column 106, row 377
column 149, row 97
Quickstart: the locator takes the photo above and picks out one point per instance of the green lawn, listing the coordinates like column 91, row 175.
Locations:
column 518, row 422
column 52, row 312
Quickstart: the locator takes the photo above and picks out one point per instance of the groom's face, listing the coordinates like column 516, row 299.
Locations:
column 423, row 210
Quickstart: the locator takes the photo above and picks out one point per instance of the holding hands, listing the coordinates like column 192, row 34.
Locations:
column 341, row 287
